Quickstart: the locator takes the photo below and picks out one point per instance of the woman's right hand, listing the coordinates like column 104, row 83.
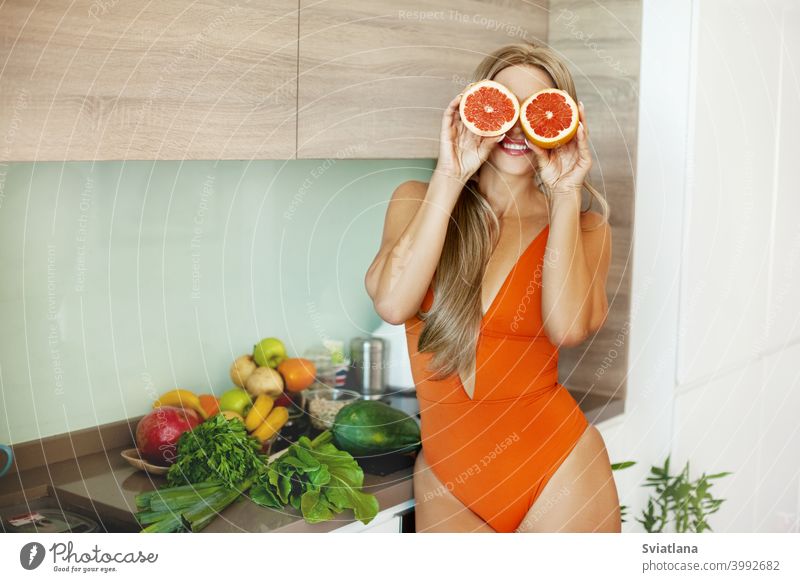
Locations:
column 461, row 152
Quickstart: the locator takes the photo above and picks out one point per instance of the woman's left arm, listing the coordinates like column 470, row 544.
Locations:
column 576, row 262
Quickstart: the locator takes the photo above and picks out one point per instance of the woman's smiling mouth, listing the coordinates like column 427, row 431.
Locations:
column 514, row 147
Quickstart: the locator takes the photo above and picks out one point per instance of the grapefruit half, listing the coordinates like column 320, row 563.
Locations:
column 488, row 108
column 549, row 118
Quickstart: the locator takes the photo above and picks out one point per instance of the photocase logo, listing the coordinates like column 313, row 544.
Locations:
column 31, row 555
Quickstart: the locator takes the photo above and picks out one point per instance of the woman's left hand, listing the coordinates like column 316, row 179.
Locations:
column 564, row 168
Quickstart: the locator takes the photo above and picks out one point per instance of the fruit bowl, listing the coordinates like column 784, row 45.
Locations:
column 323, row 403
column 136, row 461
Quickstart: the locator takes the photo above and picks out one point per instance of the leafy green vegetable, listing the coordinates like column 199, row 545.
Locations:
column 217, row 449
column 316, row 478
column 218, row 461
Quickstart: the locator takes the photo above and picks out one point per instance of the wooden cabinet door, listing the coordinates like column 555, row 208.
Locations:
column 375, row 75
column 105, row 80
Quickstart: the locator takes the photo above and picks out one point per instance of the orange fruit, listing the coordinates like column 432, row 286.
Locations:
column 209, row 403
column 298, row 373
column 549, row 118
column 488, row 108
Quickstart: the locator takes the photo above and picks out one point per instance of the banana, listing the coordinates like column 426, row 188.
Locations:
column 258, row 412
column 274, row 422
column 182, row 399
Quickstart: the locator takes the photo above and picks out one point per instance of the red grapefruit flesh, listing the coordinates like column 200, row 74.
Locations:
column 488, row 108
column 549, row 118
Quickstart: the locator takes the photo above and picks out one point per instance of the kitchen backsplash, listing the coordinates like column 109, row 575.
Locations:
column 124, row 279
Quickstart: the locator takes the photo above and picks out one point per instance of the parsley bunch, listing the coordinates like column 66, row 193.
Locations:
column 216, row 450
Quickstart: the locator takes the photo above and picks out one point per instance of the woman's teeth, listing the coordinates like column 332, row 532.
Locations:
column 514, row 148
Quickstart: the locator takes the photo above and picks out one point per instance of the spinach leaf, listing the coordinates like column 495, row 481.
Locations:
column 264, row 496
column 318, row 479
column 314, row 507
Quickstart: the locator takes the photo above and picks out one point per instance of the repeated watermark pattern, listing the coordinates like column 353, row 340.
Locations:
column 316, row 173
column 473, row 469
column 622, row 335
column 20, row 103
column 541, row 509
column 550, row 257
column 509, row 29
column 171, row 69
column 197, row 233
column 101, row 7
column 54, row 329
column 569, row 20
column 82, row 234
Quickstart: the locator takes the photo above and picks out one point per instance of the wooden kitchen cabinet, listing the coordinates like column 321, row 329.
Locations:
column 107, row 80
column 375, row 75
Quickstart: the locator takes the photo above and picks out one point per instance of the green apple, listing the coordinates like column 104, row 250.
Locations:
column 269, row 352
column 236, row 400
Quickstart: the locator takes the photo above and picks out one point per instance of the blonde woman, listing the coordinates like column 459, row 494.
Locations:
column 492, row 266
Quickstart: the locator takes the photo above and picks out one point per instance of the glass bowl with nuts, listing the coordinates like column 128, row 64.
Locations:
column 323, row 403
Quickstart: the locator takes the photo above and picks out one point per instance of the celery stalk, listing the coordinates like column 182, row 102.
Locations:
column 169, row 524
column 181, row 500
column 143, row 499
column 201, row 514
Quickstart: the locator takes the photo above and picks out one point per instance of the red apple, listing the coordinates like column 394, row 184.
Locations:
column 158, row 433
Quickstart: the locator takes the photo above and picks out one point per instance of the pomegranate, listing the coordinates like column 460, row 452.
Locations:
column 157, row 433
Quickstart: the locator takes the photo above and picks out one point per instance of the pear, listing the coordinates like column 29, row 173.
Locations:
column 264, row 380
column 241, row 369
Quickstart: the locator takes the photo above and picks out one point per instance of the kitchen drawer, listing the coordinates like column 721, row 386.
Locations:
column 392, row 525
column 389, row 520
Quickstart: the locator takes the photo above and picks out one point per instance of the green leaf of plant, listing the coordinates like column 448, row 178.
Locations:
column 314, row 507
column 263, row 495
column 718, row 475
column 320, row 477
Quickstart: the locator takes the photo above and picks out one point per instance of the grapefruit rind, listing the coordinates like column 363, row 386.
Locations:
column 562, row 136
column 487, row 84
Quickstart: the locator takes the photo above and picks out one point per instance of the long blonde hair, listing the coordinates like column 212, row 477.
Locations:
column 453, row 321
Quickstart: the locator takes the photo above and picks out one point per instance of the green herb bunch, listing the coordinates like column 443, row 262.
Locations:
column 316, row 478
column 218, row 461
column 686, row 503
column 216, row 450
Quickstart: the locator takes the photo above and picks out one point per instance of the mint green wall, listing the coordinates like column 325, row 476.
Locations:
column 123, row 280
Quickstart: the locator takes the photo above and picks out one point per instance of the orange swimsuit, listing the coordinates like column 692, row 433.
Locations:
column 496, row 451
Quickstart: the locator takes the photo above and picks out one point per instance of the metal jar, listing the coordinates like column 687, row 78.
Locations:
column 367, row 360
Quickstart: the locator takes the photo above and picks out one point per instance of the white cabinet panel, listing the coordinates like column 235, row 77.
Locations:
column 732, row 137
column 783, row 316
column 778, row 470
column 716, row 429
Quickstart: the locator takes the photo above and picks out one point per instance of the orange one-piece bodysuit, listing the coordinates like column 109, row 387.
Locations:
column 497, row 450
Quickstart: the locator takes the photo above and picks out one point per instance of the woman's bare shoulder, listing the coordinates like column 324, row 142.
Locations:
column 404, row 203
column 410, row 190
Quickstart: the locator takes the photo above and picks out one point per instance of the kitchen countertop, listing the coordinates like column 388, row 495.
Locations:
column 105, row 483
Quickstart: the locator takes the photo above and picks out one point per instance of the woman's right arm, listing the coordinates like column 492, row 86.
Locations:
column 416, row 222
column 413, row 237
